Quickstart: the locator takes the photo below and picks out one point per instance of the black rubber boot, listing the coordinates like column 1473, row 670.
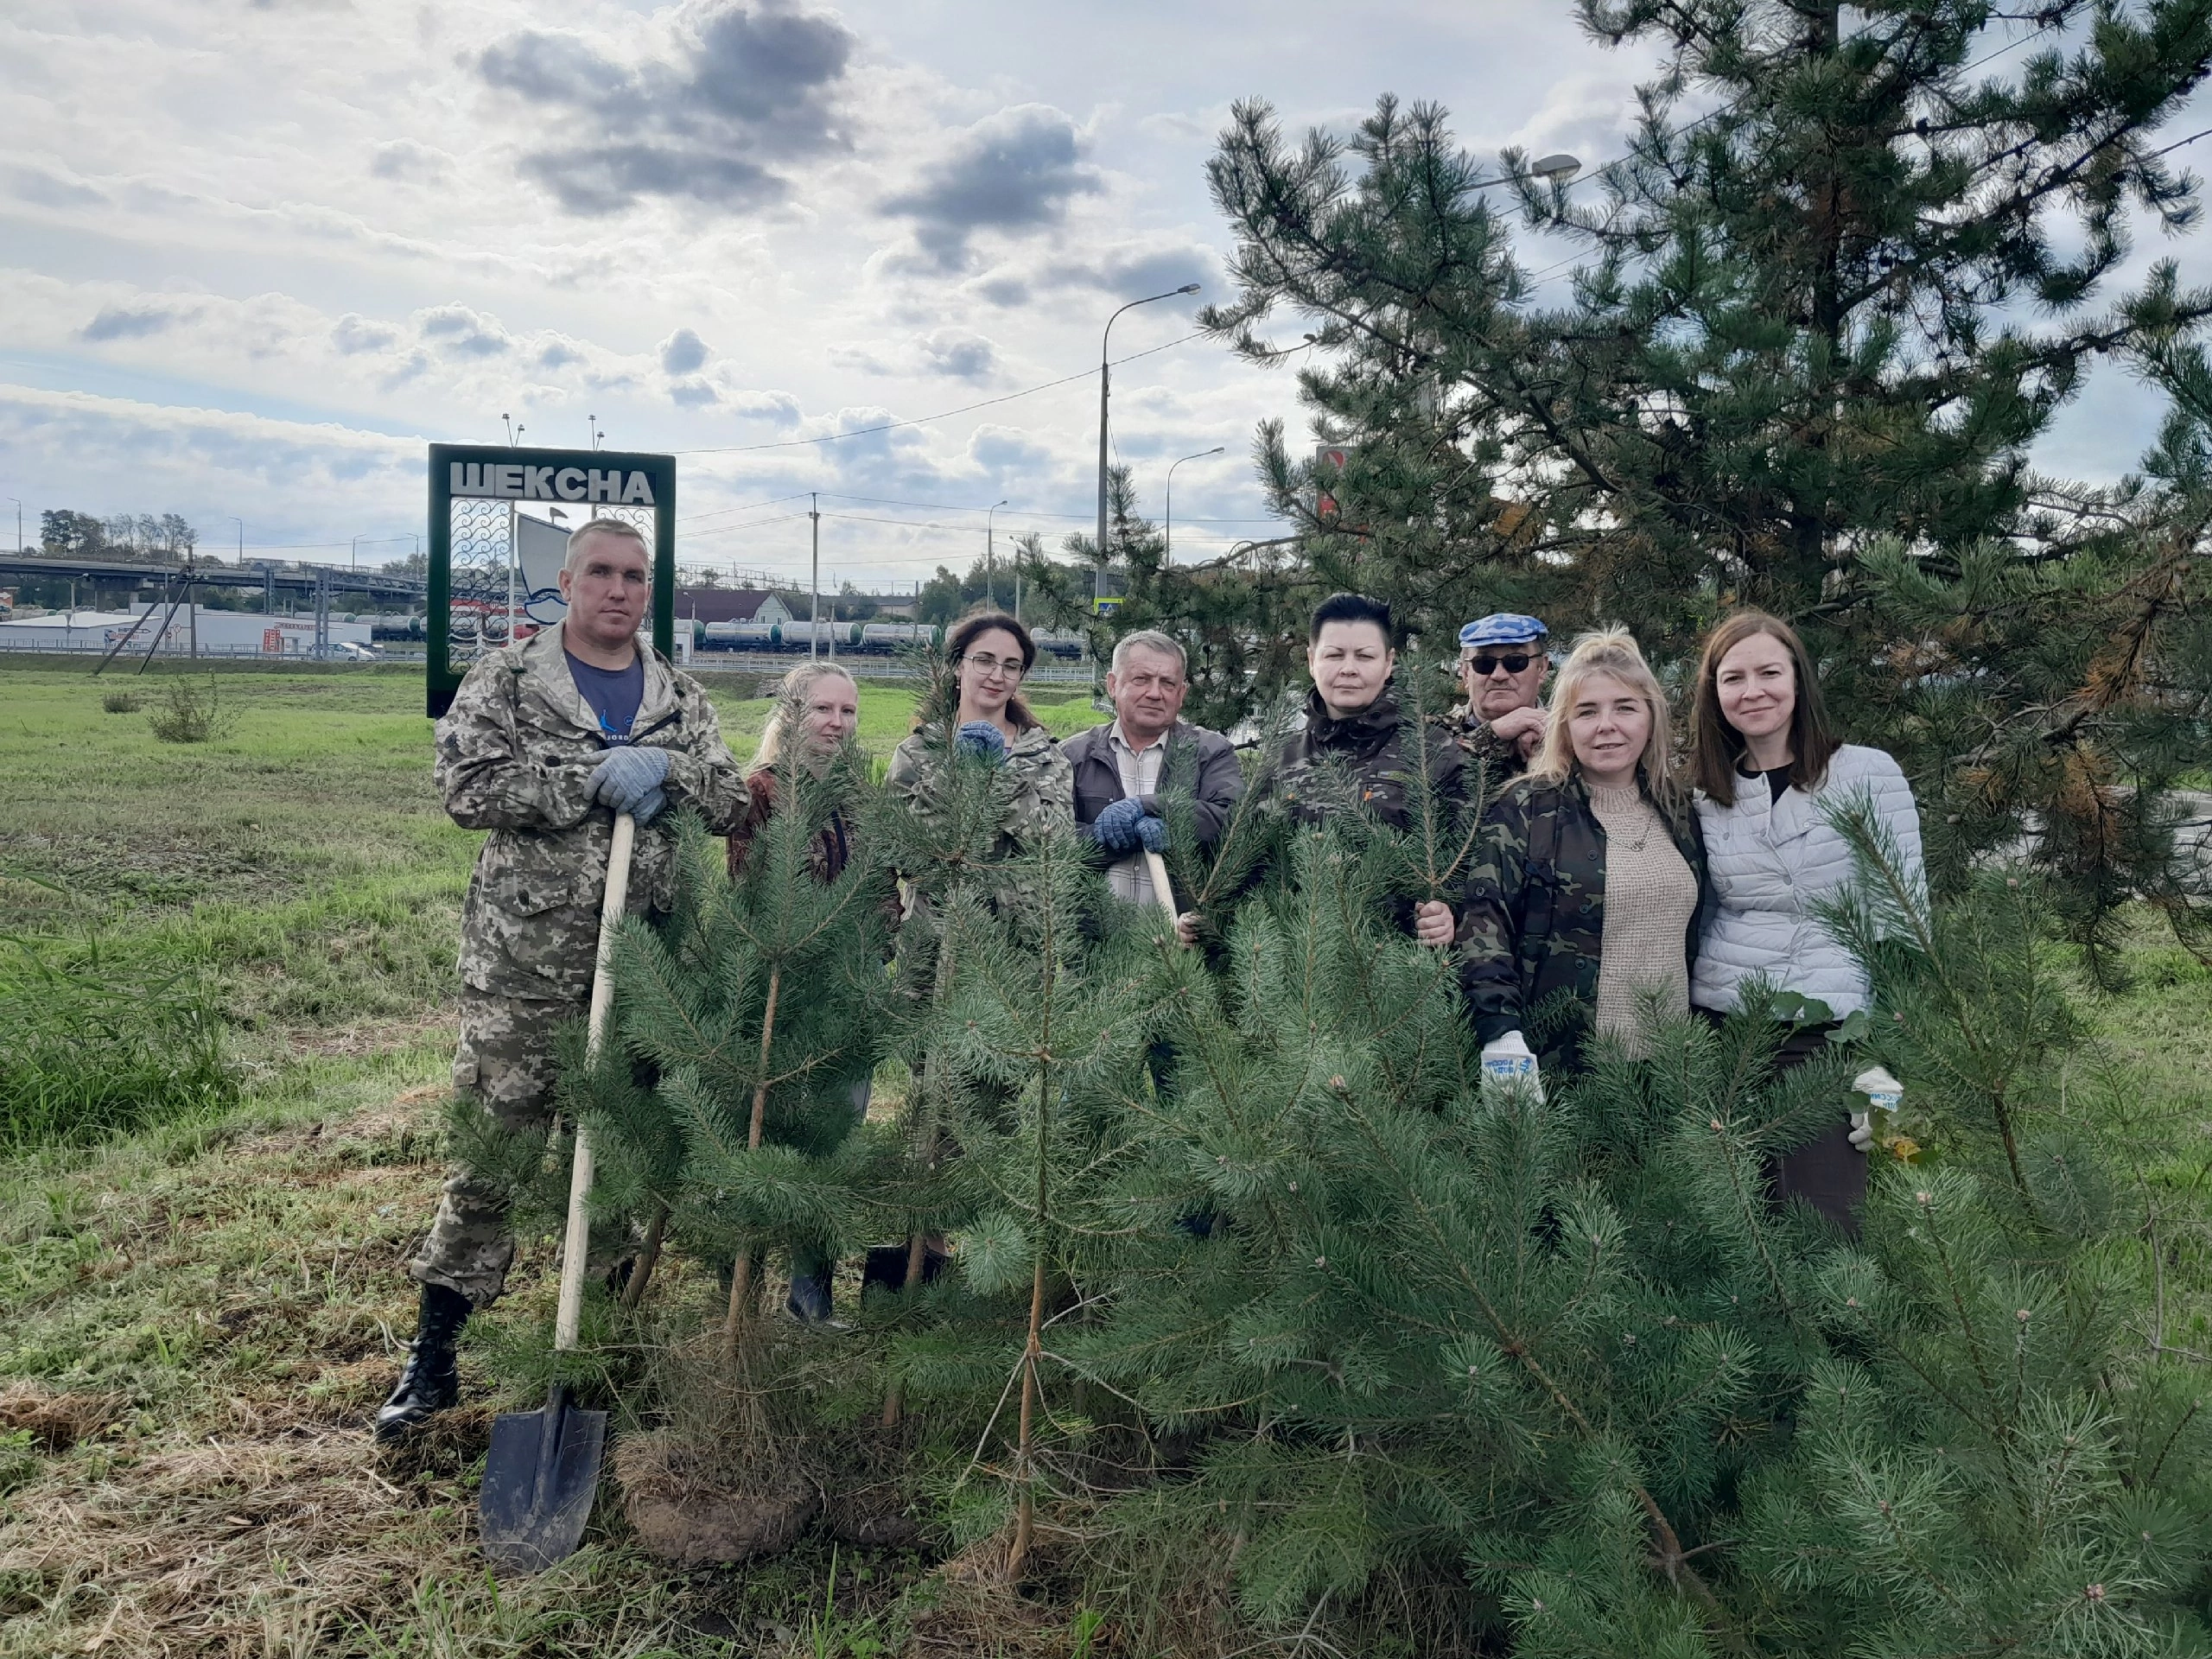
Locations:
column 809, row 1302
column 430, row 1382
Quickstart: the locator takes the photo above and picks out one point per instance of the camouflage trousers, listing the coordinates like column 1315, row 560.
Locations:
column 505, row 1064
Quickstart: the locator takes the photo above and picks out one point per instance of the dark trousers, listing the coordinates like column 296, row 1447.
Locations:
column 1826, row 1172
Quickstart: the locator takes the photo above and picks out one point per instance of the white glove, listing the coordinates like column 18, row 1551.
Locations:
column 1506, row 1062
column 1883, row 1093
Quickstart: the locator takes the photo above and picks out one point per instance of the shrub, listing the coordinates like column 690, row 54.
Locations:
column 101, row 1048
column 123, row 703
column 192, row 713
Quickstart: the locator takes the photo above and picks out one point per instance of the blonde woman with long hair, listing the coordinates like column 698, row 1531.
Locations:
column 1592, row 873
column 818, row 710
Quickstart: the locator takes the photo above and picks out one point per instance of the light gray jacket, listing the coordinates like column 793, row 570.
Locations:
column 1770, row 863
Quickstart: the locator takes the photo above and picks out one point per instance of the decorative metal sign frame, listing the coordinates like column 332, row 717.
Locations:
column 479, row 589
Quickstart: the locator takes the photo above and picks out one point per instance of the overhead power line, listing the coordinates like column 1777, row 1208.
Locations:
column 943, row 415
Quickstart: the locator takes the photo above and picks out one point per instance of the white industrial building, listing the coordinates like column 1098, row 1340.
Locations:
column 220, row 633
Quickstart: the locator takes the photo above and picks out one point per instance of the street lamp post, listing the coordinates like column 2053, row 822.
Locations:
column 1105, row 378
column 990, row 554
column 1169, row 557
column 19, row 525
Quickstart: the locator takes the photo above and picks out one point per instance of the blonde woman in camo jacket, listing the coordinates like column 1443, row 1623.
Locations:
column 1770, row 773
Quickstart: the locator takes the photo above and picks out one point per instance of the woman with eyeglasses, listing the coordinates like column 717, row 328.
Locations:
column 991, row 652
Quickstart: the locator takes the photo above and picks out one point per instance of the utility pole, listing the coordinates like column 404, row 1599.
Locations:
column 990, row 557
column 19, row 524
column 1105, row 380
column 814, row 614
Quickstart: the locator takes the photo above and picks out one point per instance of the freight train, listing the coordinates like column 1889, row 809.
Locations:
column 857, row 638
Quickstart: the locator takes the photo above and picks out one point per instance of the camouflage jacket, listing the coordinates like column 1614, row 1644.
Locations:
column 516, row 752
column 1501, row 762
column 1532, row 918
column 1368, row 753
column 1044, row 785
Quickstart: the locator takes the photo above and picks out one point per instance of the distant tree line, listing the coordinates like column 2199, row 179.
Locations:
column 123, row 538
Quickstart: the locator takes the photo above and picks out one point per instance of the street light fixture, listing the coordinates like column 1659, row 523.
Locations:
column 1105, row 378
column 1168, row 557
column 990, row 559
column 1555, row 168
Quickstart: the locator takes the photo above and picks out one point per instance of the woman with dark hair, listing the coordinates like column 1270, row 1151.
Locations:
column 1771, row 773
column 990, row 653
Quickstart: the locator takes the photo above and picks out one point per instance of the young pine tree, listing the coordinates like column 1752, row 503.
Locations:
column 1481, row 1371
column 757, row 1006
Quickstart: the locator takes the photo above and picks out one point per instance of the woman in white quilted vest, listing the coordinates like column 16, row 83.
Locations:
column 1769, row 770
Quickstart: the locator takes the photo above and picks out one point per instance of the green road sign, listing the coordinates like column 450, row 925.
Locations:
column 499, row 524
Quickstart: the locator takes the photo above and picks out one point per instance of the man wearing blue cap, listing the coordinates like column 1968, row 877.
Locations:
column 1502, row 668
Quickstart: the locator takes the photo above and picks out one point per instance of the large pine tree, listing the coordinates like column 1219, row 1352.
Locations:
column 1854, row 264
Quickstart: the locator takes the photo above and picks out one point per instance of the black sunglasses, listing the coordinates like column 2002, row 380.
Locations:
column 1514, row 664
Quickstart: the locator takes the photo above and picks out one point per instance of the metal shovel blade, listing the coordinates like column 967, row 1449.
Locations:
column 539, row 1478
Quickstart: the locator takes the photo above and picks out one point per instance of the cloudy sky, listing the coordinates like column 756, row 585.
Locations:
column 253, row 255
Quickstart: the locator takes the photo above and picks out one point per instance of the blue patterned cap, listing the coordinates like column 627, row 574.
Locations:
column 1502, row 628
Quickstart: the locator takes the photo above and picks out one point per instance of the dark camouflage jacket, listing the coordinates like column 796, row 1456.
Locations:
column 516, row 752
column 1532, row 918
column 1367, row 755
column 1501, row 761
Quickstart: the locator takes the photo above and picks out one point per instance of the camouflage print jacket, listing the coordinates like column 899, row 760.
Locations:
column 1044, row 785
column 1501, row 761
column 1532, row 918
column 1367, row 752
column 516, row 752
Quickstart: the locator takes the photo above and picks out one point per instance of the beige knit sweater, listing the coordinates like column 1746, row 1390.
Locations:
column 1650, row 895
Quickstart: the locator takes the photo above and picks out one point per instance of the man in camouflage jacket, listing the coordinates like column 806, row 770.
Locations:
column 524, row 754
column 1501, row 722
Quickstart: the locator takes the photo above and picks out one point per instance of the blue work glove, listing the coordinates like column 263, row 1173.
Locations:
column 629, row 780
column 1152, row 834
column 984, row 740
column 1115, row 828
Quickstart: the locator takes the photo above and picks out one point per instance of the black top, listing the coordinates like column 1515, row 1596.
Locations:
column 613, row 693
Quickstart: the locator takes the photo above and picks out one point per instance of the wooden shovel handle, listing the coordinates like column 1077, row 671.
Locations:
column 577, row 1241
column 1156, row 867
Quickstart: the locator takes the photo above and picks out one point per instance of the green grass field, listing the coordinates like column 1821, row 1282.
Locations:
column 197, row 1319
column 200, row 1318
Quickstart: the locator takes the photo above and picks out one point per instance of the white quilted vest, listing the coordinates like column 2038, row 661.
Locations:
column 1770, row 862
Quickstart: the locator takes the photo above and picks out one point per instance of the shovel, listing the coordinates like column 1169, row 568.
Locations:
column 1156, row 868
column 543, row 1466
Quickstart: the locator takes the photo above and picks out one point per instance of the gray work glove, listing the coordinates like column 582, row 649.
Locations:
column 629, row 780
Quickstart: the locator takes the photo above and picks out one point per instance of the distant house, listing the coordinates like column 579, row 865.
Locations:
column 730, row 605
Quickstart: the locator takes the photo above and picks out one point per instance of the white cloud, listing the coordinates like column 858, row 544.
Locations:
column 352, row 221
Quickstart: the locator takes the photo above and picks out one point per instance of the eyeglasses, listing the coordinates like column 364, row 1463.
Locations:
column 1488, row 666
column 992, row 667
